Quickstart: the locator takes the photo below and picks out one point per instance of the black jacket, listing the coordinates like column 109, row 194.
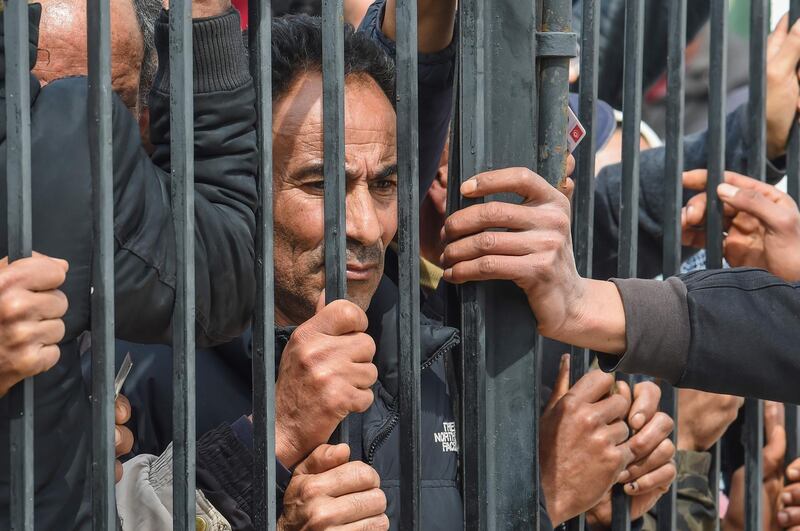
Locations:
column 145, row 260
column 225, row 454
column 731, row 331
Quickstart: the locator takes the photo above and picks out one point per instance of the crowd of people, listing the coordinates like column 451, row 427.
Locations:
column 718, row 335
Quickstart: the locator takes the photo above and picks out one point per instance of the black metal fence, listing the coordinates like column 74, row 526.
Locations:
column 510, row 111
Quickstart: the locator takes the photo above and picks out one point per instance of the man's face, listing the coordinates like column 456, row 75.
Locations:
column 62, row 46
column 371, row 210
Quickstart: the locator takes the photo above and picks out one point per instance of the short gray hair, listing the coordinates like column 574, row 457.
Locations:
column 147, row 13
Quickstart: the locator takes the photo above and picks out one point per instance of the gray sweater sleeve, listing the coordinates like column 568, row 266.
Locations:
column 732, row 331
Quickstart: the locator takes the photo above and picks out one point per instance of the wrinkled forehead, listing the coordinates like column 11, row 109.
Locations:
column 63, row 44
column 370, row 120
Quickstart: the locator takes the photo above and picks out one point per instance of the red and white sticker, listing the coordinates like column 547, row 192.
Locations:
column 575, row 131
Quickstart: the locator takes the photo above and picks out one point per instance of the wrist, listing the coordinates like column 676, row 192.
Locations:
column 594, row 318
column 286, row 451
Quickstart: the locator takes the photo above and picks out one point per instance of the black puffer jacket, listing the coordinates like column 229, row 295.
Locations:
column 612, row 41
column 145, row 260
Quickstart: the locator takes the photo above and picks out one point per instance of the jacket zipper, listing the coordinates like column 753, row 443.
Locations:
column 395, row 418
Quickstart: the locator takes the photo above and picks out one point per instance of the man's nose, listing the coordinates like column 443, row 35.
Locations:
column 363, row 222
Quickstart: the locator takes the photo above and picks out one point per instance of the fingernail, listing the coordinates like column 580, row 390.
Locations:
column 727, row 190
column 683, row 216
column 637, row 421
column 793, row 473
column 467, row 187
column 117, row 436
column 786, row 498
column 448, row 273
column 624, row 476
column 632, row 487
column 783, row 518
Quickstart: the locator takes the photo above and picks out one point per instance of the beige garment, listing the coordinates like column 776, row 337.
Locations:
column 144, row 497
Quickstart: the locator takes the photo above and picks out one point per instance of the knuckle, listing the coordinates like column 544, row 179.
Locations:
column 492, row 211
column 308, row 489
column 486, row 241
column 350, row 312
column 487, row 265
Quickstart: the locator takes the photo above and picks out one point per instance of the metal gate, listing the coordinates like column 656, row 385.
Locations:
column 510, row 111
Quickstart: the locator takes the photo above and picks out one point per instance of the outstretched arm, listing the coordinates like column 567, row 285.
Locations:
column 224, row 187
column 702, row 330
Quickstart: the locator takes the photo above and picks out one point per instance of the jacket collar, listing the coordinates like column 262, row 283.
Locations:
column 382, row 314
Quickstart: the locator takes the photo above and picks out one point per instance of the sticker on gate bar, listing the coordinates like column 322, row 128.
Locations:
column 122, row 375
column 575, row 131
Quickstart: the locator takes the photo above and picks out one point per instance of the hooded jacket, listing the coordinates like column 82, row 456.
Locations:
column 144, row 238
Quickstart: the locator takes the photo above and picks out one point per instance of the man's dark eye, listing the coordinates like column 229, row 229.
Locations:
column 384, row 184
column 317, row 185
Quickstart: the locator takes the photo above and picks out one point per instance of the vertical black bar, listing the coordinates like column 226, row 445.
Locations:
column 673, row 171
column 583, row 199
column 631, row 128
column 583, row 215
column 335, row 180
column 100, row 142
column 793, row 187
column 264, row 491
column 408, row 255
column 553, row 93
column 753, row 431
column 716, row 139
column 629, row 207
column 718, row 81
column 469, row 155
column 511, row 98
column 18, row 175
column 182, row 162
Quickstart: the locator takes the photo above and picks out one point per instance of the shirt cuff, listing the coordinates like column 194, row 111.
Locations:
column 656, row 328
column 243, row 429
column 219, row 55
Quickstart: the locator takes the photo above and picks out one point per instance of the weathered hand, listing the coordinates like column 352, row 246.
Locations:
column 763, row 223
column 535, row 251
column 328, row 492
column 325, row 373
column 123, row 436
column 31, row 308
column 783, row 90
column 773, row 454
column 789, row 513
column 652, row 471
column 704, row 418
column 582, row 442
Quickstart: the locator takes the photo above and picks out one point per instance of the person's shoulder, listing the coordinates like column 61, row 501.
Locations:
column 65, row 100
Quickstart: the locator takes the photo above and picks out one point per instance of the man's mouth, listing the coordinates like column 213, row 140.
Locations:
column 360, row 271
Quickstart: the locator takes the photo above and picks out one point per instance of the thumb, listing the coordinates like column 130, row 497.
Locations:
column 775, row 449
column 324, row 457
column 562, row 382
column 695, row 180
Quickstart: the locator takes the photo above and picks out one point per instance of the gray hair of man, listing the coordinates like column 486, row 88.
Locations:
column 147, row 12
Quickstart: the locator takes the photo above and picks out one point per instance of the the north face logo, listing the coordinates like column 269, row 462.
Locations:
column 447, row 437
